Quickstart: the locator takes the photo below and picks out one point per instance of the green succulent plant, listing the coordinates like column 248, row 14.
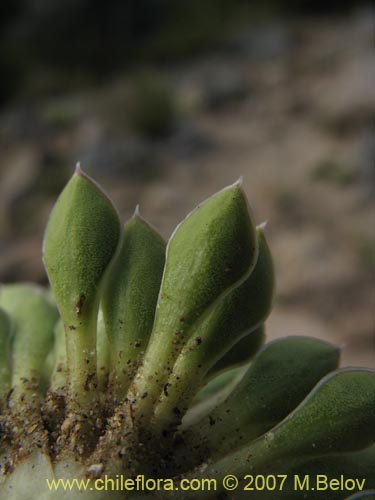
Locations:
column 146, row 362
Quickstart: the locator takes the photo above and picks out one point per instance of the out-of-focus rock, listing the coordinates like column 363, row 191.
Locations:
column 17, row 177
column 268, row 41
column 225, row 87
column 22, row 260
column 126, row 157
column 366, row 160
column 189, row 141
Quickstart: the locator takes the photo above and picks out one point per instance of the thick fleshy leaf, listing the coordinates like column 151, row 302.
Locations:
column 235, row 315
column 33, row 317
column 278, row 379
column 211, row 251
column 329, row 476
column 129, row 299
column 81, row 238
column 217, row 384
column 212, row 395
column 337, row 416
column 241, row 353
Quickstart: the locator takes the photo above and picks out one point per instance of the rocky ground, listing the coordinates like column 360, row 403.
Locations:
column 288, row 106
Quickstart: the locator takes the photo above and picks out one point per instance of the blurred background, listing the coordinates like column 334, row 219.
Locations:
column 164, row 102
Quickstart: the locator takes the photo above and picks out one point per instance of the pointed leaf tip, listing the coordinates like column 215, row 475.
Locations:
column 80, row 240
column 82, row 236
column 137, row 212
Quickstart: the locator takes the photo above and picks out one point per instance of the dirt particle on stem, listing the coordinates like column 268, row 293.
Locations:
column 80, row 304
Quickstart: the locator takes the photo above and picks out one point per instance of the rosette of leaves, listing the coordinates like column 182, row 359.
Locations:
column 147, row 358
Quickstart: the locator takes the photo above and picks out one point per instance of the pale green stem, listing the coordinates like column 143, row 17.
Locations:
column 82, row 360
column 33, row 318
column 5, row 356
column 59, row 373
column 103, row 353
